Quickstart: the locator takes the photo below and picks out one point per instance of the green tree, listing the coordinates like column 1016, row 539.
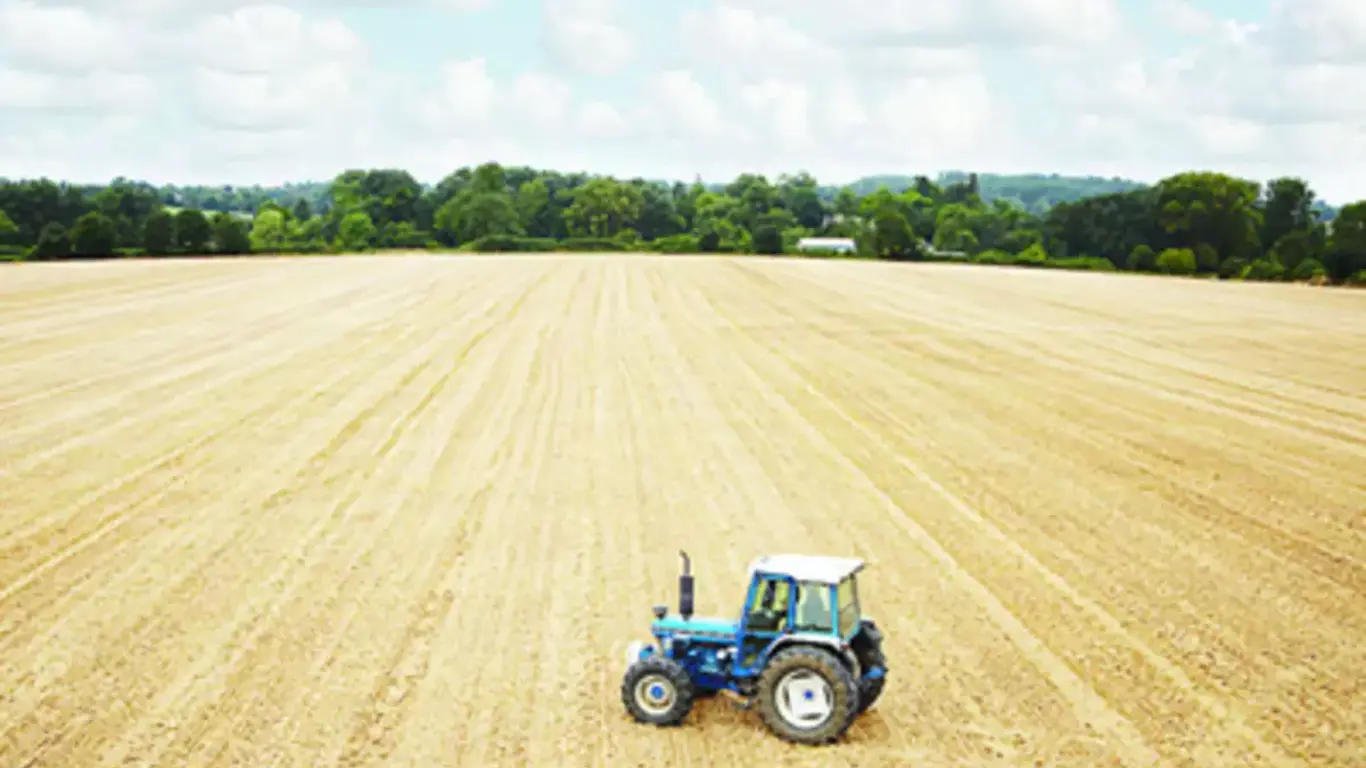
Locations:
column 1308, row 269
column 1206, row 257
column 755, row 197
column 846, row 203
column 534, row 210
column 893, row 237
column 953, row 229
column 127, row 205
column 269, row 231
column 7, row 227
column 303, row 210
column 471, row 215
column 357, row 232
column 489, row 178
column 1300, row 245
column 1110, row 226
column 603, row 207
column 1176, row 261
column 768, row 239
column 1033, row 256
column 799, row 194
column 1142, row 259
column 685, row 202
column 658, row 215
column 628, row 239
column 228, row 232
column 158, row 233
column 52, row 243
column 1211, row 213
column 192, row 231
column 311, row 235
column 1346, row 251
column 390, row 196
column 1289, row 208
column 1262, row 269
column 403, row 234
column 94, row 234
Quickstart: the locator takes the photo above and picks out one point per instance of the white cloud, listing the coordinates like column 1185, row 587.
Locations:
column 1046, row 23
column 601, row 120
column 804, row 89
column 274, row 39
column 684, row 102
column 99, row 89
column 784, row 108
column 466, row 96
column 740, row 40
column 544, row 100
column 65, row 38
column 584, row 36
column 273, row 68
column 1319, row 30
column 1185, row 17
column 269, row 102
column 278, row 89
column 842, row 113
column 999, row 23
column 1222, row 135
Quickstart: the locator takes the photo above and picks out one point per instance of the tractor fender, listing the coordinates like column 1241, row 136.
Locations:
column 841, row 650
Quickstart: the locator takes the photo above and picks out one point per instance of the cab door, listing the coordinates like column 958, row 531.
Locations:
column 768, row 616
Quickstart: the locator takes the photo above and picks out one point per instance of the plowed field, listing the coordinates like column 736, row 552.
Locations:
column 410, row 511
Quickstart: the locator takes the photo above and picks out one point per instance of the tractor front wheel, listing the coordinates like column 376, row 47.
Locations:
column 806, row 695
column 658, row 691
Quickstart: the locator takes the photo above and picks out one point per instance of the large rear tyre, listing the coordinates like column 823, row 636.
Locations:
column 868, row 648
column 807, row 696
column 871, row 688
column 657, row 690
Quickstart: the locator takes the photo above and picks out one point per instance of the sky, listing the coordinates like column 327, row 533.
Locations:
column 230, row 92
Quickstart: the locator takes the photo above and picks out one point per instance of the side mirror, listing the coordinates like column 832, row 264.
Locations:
column 660, row 610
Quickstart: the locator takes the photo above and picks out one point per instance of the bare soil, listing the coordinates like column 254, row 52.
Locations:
column 411, row 510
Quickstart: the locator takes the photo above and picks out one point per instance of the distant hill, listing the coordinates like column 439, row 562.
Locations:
column 1039, row 192
column 1033, row 191
column 1036, row 192
column 245, row 199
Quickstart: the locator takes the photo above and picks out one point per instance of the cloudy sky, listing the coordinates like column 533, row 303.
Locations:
column 210, row 91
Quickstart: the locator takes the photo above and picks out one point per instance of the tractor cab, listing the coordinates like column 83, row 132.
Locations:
column 800, row 647
column 797, row 598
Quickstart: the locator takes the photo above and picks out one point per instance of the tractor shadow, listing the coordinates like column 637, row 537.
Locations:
column 717, row 715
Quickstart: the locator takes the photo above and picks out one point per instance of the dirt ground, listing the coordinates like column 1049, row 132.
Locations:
column 402, row 511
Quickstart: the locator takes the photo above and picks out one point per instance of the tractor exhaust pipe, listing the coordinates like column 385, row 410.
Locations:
column 685, row 587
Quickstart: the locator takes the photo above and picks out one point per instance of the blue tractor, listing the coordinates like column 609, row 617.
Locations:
column 800, row 650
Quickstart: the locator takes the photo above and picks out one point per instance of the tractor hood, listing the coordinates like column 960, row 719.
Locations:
column 697, row 625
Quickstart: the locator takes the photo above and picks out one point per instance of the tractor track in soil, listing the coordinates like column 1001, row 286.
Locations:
column 410, row 510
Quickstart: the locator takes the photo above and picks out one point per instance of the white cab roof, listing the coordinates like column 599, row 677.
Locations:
column 820, row 569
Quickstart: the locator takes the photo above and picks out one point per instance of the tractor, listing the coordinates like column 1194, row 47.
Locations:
column 800, row 650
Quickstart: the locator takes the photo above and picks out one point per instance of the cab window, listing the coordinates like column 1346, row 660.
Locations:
column 847, row 595
column 768, row 610
column 813, row 608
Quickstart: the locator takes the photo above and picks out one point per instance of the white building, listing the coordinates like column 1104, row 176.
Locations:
column 837, row 244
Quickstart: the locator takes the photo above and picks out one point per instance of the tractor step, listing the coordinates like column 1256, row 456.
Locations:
column 738, row 701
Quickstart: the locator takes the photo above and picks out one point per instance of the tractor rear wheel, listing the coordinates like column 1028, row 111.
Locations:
column 807, row 696
column 868, row 648
column 871, row 688
column 658, row 691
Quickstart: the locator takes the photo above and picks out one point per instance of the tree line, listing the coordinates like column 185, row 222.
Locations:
column 1194, row 223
